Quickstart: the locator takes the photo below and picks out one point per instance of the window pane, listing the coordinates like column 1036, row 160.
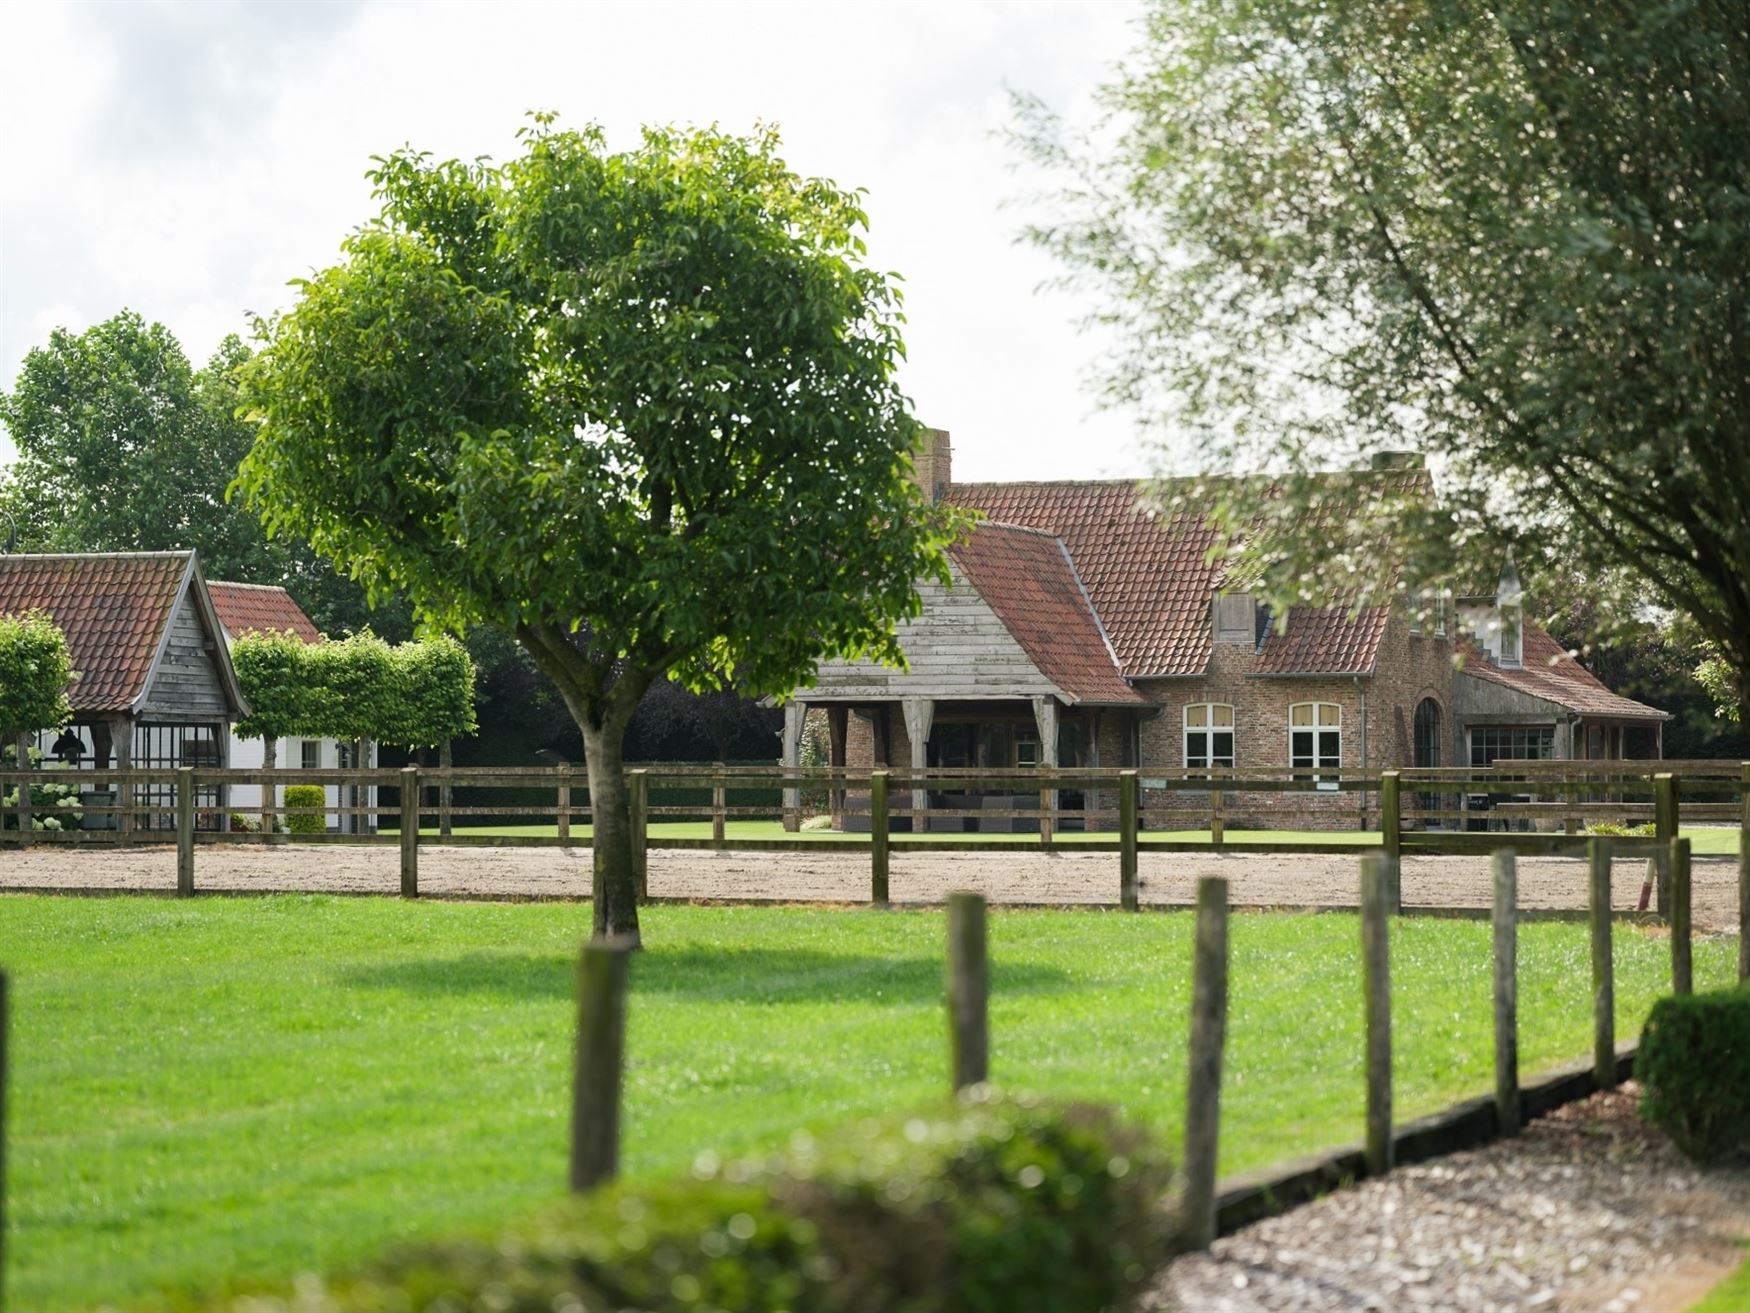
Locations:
column 1330, row 747
column 1222, row 749
column 1222, row 715
column 1300, row 714
column 1197, row 714
column 1330, row 713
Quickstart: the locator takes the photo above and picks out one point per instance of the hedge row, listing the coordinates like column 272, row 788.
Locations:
column 998, row 1205
column 1694, row 1067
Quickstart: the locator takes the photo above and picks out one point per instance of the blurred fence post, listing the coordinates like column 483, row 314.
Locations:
column 1744, row 875
column 1376, row 993
column 446, row 759
column 878, row 838
column 719, row 808
column 968, row 990
column 1127, row 822
column 1682, row 970
column 410, row 832
column 1603, row 980
column 601, row 1053
column 639, row 809
column 1506, row 923
column 1208, row 1038
column 562, row 805
column 184, row 831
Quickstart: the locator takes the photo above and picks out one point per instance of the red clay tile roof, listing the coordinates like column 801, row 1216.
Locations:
column 1548, row 672
column 1146, row 575
column 260, row 608
column 1324, row 640
column 1028, row 579
column 113, row 608
column 1151, row 583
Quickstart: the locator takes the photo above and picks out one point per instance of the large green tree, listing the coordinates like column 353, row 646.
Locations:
column 1510, row 237
column 636, row 408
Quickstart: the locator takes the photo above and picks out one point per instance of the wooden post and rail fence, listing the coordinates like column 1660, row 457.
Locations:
column 153, row 806
column 602, row 1009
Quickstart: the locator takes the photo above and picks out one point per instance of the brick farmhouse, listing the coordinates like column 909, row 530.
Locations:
column 1083, row 628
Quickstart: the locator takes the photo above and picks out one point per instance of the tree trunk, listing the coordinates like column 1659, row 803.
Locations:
column 270, row 755
column 613, row 887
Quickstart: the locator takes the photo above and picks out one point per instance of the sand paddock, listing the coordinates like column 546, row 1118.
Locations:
column 822, row 875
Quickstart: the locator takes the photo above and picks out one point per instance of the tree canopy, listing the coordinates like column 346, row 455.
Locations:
column 125, row 446
column 1508, row 237
column 35, row 670
column 416, row 694
column 636, row 408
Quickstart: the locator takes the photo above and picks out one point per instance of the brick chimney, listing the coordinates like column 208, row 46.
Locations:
column 933, row 464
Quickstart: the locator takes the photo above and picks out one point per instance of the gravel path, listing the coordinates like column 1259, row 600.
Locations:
column 822, row 875
column 1590, row 1209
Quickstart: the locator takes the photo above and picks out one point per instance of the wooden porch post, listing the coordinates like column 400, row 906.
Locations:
column 919, row 712
column 1045, row 716
column 794, row 715
column 838, row 725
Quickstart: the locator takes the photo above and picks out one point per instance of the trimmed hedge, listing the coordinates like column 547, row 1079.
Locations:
column 998, row 1205
column 307, row 795
column 1694, row 1068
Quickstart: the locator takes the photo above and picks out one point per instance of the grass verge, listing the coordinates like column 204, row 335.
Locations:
column 252, row 1087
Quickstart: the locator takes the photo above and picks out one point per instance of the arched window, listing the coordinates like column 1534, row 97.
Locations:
column 1427, row 727
column 1315, row 738
column 1209, row 735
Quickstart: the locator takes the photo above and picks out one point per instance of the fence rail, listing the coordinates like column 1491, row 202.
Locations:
column 1538, row 807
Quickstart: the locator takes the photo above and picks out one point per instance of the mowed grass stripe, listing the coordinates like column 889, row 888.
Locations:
column 251, row 1087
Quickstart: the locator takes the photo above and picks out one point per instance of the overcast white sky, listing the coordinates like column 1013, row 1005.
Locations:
column 186, row 159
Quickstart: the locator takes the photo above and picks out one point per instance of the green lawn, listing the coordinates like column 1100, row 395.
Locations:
column 248, row 1087
column 1705, row 840
column 1731, row 1296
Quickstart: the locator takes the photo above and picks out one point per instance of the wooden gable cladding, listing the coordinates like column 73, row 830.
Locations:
column 186, row 680
column 958, row 648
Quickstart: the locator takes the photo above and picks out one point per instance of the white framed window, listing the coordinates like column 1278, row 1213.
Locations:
column 1315, row 738
column 1209, row 735
column 310, row 754
column 1428, row 613
column 1235, row 619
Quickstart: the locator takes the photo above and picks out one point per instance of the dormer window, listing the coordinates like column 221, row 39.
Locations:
column 1510, row 613
column 1428, row 613
column 1235, row 619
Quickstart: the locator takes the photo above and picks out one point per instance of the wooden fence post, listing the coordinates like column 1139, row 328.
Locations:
column 1391, row 816
column 410, row 832
column 446, row 759
column 1744, row 876
column 878, row 838
column 1682, row 971
column 1127, row 890
column 1217, row 823
column 1376, row 994
column 1664, row 830
column 720, row 809
column 1047, row 822
column 1506, row 918
column 562, row 805
column 1208, row 1038
column 601, row 1053
column 968, row 990
column 184, row 831
column 639, row 808
column 1603, row 980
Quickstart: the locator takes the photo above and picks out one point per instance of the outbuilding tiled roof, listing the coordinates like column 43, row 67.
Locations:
column 1549, row 672
column 1026, row 576
column 1151, row 581
column 114, row 609
column 260, row 608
